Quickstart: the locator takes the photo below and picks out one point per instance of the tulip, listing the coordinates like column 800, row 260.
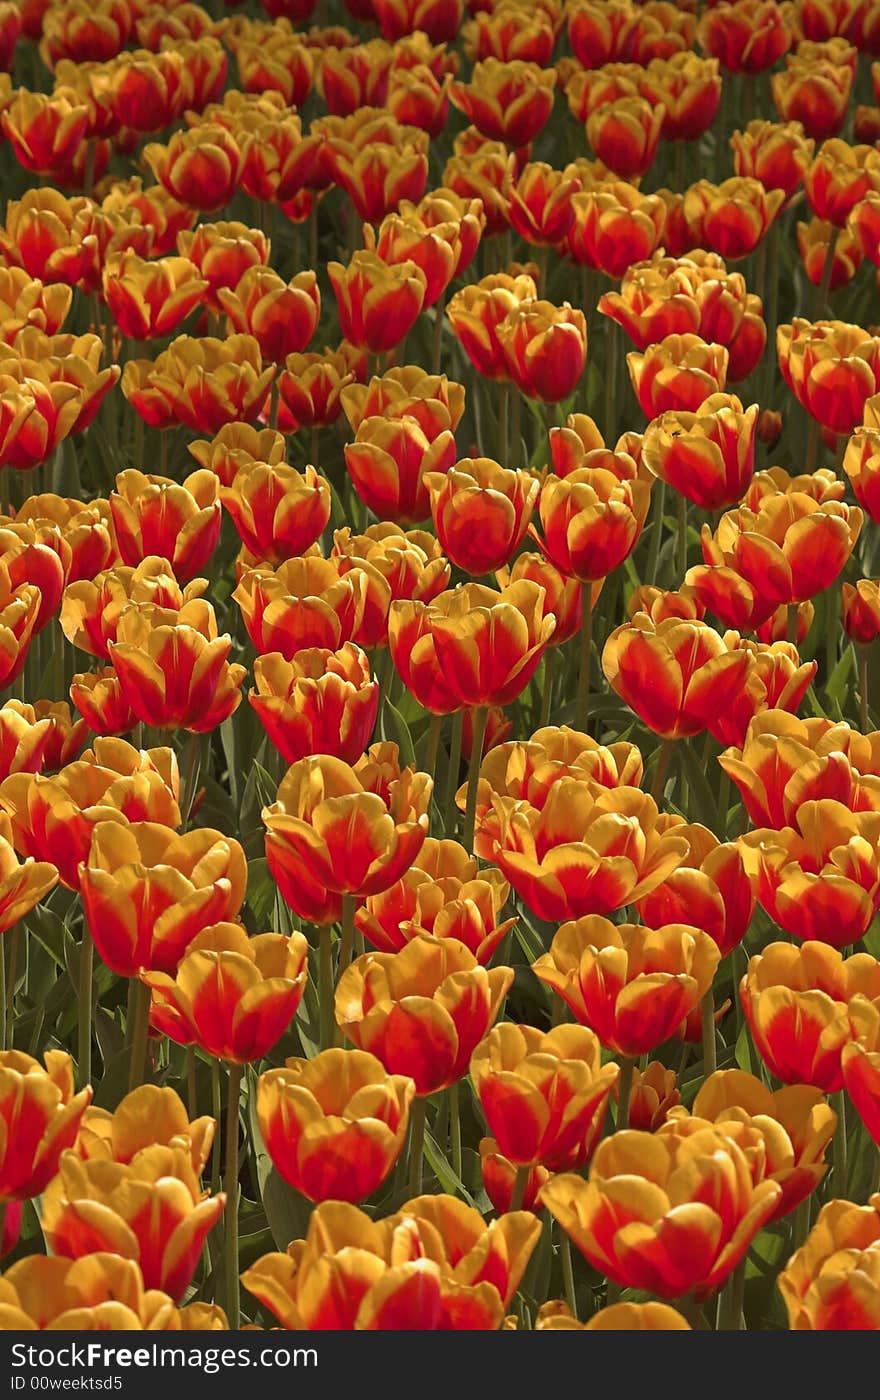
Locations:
column 484, row 174
column 44, row 131
column 476, row 314
column 428, row 1005
column 585, row 851
column 710, row 889
column 320, row 702
column 630, row 985
column 439, row 19
column 481, row 512
column 814, row 242
column 677, row 374
column 334, row 1126
column 732, row 218
column 27, row 302
column 597, row 32
column 310, row 387
column 146, row 1116
column 543, row 1095
column 53, row 817
column 81, row 534
column 508, row 33
column 816, row 94
column 507, row 102
column 151, row 1210
column 774, row 680
column 378, row 304
column 562, row 594
column 799, row 1003
column 200, row 166
column 154, row 516
column 839, row 177
column 203, row 383
column 23, row 739
column 91, row 609
column 99, row 1292
column 614, row 226
column 657, row 1182
column 860, row 1063
column 832, row 368
column 410, row 561
column 541, row 208
column 328, row 835
column 417, row 98
column 796, row 1123
column 861, row 462
column 500, row 1177
column 223, row 252
column 148, row 300
column 746, row 36
column 545, row 347
column 863, row 226
column 653, row 1096
column 689, row 90
column 389, row 462
column 277, row 511
column 305, row 602
column 592, row 517
column 618, row 1317
column 281, row 316
column 831, row 1282
column 707, row 456
column 379, row 171
column 860, row 611
column 776, row 153
column 624, row 135
column 404, row 237
column 231, row 995
column 175, row 886
column 238, row 445
column 820, row 877
column 41, row 1117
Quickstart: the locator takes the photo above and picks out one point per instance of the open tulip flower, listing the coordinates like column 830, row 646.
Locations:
column 307, row 601
column 334, row 1126
column 507, row 102
column 41, row 1114
column 832, row 1283
column 476, row 313
column 592, row 516
column 776, row 153
column 709, row 455
column 631, row 985
column 154, row 517
column 98, row 1292
column 204, row 383
column 232, row 995
column 774, row 681
column 421, row 1011
column 557, row 1316
column 543, row 1096
column 151, row 1209
column 378, row 302
column 147, row 1115
column 710, row 888
column 650, row 1215
column 319, row 702
column 677, row 375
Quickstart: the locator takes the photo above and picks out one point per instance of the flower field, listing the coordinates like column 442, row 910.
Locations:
column 439, row 763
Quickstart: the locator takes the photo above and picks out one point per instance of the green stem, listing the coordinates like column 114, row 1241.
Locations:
column 504, row 422
column 567, row 1271
column 732, row 1301
column 216, row 1109
column 824, row 287
column 863, row 688
column 811, row 456
column 140, row 1034
column 839, row 1146
column 192, row 774
column 585, row 647
column 325, row 985
column 454, row 1128
column 520, row 1182
column 84, row 994
column 800, row 1224
column 661, row 768
column 481, row 715
column 707, row 1018
column 437, row 339
column 453, row 774
column 416, row 1144
column 791, row 623
column 547, row 692
column 624, row 1090
column 682, row 537
column 432, row 745
column 191, row 1102
column 231, row 1184
column 13, row 938
column 611, row 358
column 659, row 494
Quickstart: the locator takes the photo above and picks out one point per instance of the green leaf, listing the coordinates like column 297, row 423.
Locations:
column 399, row 733
column 261, row 891
column 287, row 1211
column 448, row 1179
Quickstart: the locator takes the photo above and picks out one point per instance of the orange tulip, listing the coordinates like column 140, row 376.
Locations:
column 545, row 347
column 710, row 889
column 148, row 300
column 151, row 1210
column 832, row 368
column 481, row 511
column 305, row 602
column 630, row 985
column 91, row 609
column 239, row 445
column 223, row 252
column 152, row 515
column 96, row 1293
column 499, row 1179
column 618, row 1317
column 232, row 995
column 543, row 1095
column 839, row 177
column 832, row 1283
column 145, row 1116
column 614, row 226
column 593, row 516
column 410, row 561
column 653, row 1096
column 562, row 595
column 310, row 386
column 507, row 102
column 389, row 461
column 319, row 702
column 328, row 834
column 860, row 611
column 731, row 218
column 277, row 511
column 814, row 93
column 774, row 680
column 708, row 456
column 587, row 850
column 484, row 173
column 814, row 241
column 746, row 36
column 379, row 170
column 41, row 1117
column 624, row 135
column 776, row 153
column 281, row 316
column 597, row 31
column 476, row 314
column 378, row 303
column 334, row 1126
column 677, row 374
column 428, row 1005
column 692, row 1199
column 541, row 209
column 405, row 237
column 45, row 130
column 200, row 166
column 802, row 1005
column 689, row 90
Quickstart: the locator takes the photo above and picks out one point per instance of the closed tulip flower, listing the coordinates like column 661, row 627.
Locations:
column 353, row 1273
column 277, row 511
column 775, row 680
column 499, row 1179
column 657, row 1182
column 151, row 1210
column 545, row 347
column 305, row 602
column 596, row 32
column 329, row 835
column 677, row 374
column 477, row 312
column 53, row 817
column 656, row 300
column 231, row 995
column 484, row 174
column 689, row 90
column 860, row 1062
column 281, row 316
column 91, row 608
column 22, row 885
column 41, row 1116
column 416, row 97
column 860, row 610
column 861, row 462
column 624, row 135
column 653, row 1096
column 543, row 1095
column 839, row 177
column 630, row 985
column 707, row 456
column 832, row 1283
column 593, row 517
column 507, row 102
column 24, row 739
column 334, row 1126
column 796, row 1123
column 379, row 174
column 614, row 226
column 97, row 1293
column 152, row 515
column 814, row 240
column 147, row 1115
column 45, row 130
column 321, row 701
column 200, row 166
column 815, row 93
column 175, row 887
column 238, row 445
column 747, row 36
column 832, row 369
column 428, row 1006
column 863, row 225
column 310, row 387
column 410, row 561
column 541, row 208
column 403, row 237
column 562, row 594
column 378, row 304
column 148, row 300
column 481, row 512
column 710, row 888
column 776, row 153
column 731, row 218
column 802, row 1006
column 586, row 850
column 389, row 461
column 223, row 252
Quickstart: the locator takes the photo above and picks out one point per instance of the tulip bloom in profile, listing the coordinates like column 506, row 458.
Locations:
column 731, row 218
column 499, row 1179
column 832, row 369
column 708, row 456
column 617, row 1317
column 378, row 303
column 148, row 300
column 832, row 1283
column 223, row 252
column 231, row 995
column 776, row 153
column 630, row 985
column 203, row 383
column 281, row 316
column 335, row 1125
column 481, row 512
column 815, row 93
column 653, row 1096
column 861, row 462
column 814, row 240
column 587, row 850
column 421, row 1011
column 99, row 1292
column 839, row 177
column 543, row 1095
column 145, row 1116
column 710, row 888
column 328, row 834
column 545, row 347
column 154, row 516
column 507, row 102
column 676, row 675
column 804, row 1005
column 746, row 36
column 277, row 511
column 305, row 602
column 614, row 226
column 151, row 1209
column 476, row 312
column 148, row 891
column 625, row 134
column 40, row 1115
column 390, row 460
column 796, row 1123
column 628, row 1218
column 592, row 517
column 677, row 375
column 319, row 702
column 22, row 884
column 201, row 166
column 386, row 1277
